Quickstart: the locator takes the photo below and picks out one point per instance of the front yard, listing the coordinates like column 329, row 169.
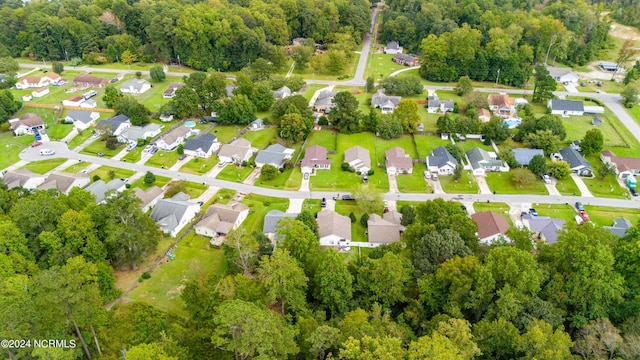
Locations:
column 568, row 187
column 100, row 146
column 558, row 211
column 234, row 173
column 11, row 148
column 163, row 159
column 44, row 166
column 502, row 183
column 76, row 168
column 80, row 138
column 198, row 166
column 259, row 206
column 466, row 185
column 104, row 173
column 607, row 187
column 415, row 182
column 288, row 180
column 160, row 182
column 604, row 216
column 379, row 66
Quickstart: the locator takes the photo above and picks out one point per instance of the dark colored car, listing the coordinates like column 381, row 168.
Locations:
column 634, row 192
column 323, row 203
column 100, row 154
column 463, row 207
column 533, row 212
column 579, row 206
column 347, row 197
column 182, row 157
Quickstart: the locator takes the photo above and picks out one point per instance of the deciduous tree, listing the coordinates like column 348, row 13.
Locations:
column 544, row 85
column 464, row 86
column 111, row 96
column 333, row 283
column 592, row 142
column 345, row 115
column 538, row 165
column 268, row 172
column 157, row 73
column 285, row 281
column 407, row 112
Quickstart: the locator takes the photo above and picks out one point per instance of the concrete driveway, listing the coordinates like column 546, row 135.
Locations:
column 436, row 186
column 482, row 184
column 393, row 184
column 551, row 188
column 584, row 189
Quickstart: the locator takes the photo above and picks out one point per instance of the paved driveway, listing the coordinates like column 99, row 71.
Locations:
column 393, row 184
column 482, row 184
column 584, row 189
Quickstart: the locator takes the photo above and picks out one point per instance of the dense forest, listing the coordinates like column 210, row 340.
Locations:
column 204, row 35
column 436, row 294
column 627, row 12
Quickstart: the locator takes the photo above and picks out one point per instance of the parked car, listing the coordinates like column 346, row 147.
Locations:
column 579, row 206
column 306, row 176
column 434, row 177
column 200, row 203
column 584, row 216
column 427, row 174
column 323, row 202
column 37, row 143
column 533, row 212
column 546, row 179
column 347, row 197
column 463, row 207
column 100, row 154
column 182, row 157
column 46, row 152
column 634, row 192
column 222, row 164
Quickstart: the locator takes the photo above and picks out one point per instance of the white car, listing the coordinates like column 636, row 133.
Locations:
column 427, row 174
column 546, row 179
column 222, row 164
column 45, row 152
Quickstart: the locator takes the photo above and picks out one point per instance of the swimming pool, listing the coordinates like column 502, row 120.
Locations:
column 513, row 123
column 190, row 124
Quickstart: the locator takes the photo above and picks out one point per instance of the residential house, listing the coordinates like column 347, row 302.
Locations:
column 575, row 144
column 384, row 102
column 275, row 155
column 115, row 124
column 27, row 97
column 298, row 41
column 315, row 158
column 282, row 93
column 398, row 162
column 562, row 74
column 608, row 66
column 381, row 231
column 358, row 158
column 271, row 220
column 482, row 161
column 441, row 161
column 202, row 146
column 148, row 198
column 394, row 216
column 64, row 182
column 40, row 92
column 236, row 152
column 324, row 101
column 484, row 115
column 173, row 138
column 220, row 219
column 544, row 227
column 133, row 134
column 229, row 90
column 73, row 101
column 334, row 229
column 22, row 178
column 165, row 117
column 435, row 105
column 620, row 227
column 393, row 47
column 576, row 162
column 172, row 215
column 28, row 123
column 135, row 86
column 406, row 60
column 491, row 226
column 170, row 92
column 596, row 121
column 89, row 81
column 566, row 107
column 90, row 103
column 593, row 109
column 31, row 81
column 624, row 166
column 82, row 119
column 502, row 105
column 524, row 156
column 257, row 124
column 100, row 190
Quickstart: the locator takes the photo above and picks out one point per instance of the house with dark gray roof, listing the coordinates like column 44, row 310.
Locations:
column 441, row 161
column 620, row 227
column 172, row 215
column 544, row 227
column 115, row 124
column 324, row 101
column 202, row 146
column 170, row 92
column 82, row 119
column 271, row 219
column 435, row 105
column 384, row 102
column 135, row 86
column 101, row 190
column 393, row 47
column 523, row 156
column 64, row 182
column 275, row 155
column 482, row 161
column 566, row 107
column 406, row 59
column 23, row 178
column 576, row 162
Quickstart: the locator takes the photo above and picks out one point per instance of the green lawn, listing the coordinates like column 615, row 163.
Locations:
column 466, row 185
column 379, row 66
column 469, row 144
column 11, row 148
column 426, row 144
column 357, row 230
column 612, row 87
column 634, row 112
column 74, row 169
column 44, row 166
column 160, row 182
column 501, row 183
column 233, row 172
column 198, row 166
column 194, row 189
column 195, row 259
column 288, row 180
column 497, row 207
column 103, row 173
column 223, row 196
column 163, row 159
column 133, row 156
column 414, row 182
column 80, row 138
column 225, row 133
column 100, row 146
column 312, row 204
column 260, row 139
column 577, row 126
column 607, row 187
column 604, row 216
column 347, row 73
column 311, row 89
column 568, row 187
column 451, row 95
column 153, row 99
column 558, row 211
column 324, row 138
column 259, row 206
column 405, row 142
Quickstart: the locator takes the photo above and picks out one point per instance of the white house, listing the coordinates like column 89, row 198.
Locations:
column 435, row 105
column 172, row 215
column 173, row 138
column 625, row 166
column 441, row 161
column 315, row 158
column 100, row 190
column 73, row 101
column 482, row 161
column 170, row 92
column 132, row 134
column 27, row 82
column 149, row 198
column 22, row 178
column 566, row 107
column 398, row 162
column 333, row 228
column 89, row 104
column 64, row 182
column 220, row 219
column 82, row 119
column 202, row 146
column 116, row 124
column 393, row 47
column 40, row 92
column 135, row 86
column 28, row 123
column 282, row 93
column 236, row 152
column 386, row 103
column 562, row 74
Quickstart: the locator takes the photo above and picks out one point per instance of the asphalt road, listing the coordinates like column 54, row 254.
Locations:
column 62, row 151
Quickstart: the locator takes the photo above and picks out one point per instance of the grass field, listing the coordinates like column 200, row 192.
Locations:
column 194, row 189
column 414, row 182
column 558, row 211
column 502, row 183
column 568, row 187
column 259, row 206
column 160, row 182
column 288, row 180
column 235, row 173
column 311, row 89
column 604, row 216
column 133, row 156
column 635, row 113
column 163, row 159
column 103, row 173
column 44, row 166
column 497, row 207
column 223, row 196
column 260, row 139
column 225, row 133
column 199, row 166
column 11, row 148
column 466, row 185
column 80, row 138
column 74, row 169
column 357, row 230
column 379, row 66
column 195, row 259
column 100, row 146
column 607, row 187
column 312, row 205
column 426, row 144
column 324, row 138
column 348, row 72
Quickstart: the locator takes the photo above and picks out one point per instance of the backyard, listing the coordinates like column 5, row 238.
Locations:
column 357, row 230
column 194, row 260
column 225, row 133
column 44, row 166
column 426, row 144
column 466, row 185
column 502, row 183
column 260, row 139
column 105, row 172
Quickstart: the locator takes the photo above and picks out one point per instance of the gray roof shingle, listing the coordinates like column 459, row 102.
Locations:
column 524, row 156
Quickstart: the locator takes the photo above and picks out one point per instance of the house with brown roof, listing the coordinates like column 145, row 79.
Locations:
column 28, row 123
column 89, row 81
column 22, row 178
column 381, row 231
column 220, row 219
column 73, row 101
column 358, row 158
column 315, row 158
column 40, row 92
column 32, row 81
column 170, row 92
column 624, row 166
column 398, row 162
column 64, row 182
column 173, row 138
column 236, row 152
column 148, row 198
column 484, row 115
column 491, row 225
column 334, row 229
column 502, row 105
